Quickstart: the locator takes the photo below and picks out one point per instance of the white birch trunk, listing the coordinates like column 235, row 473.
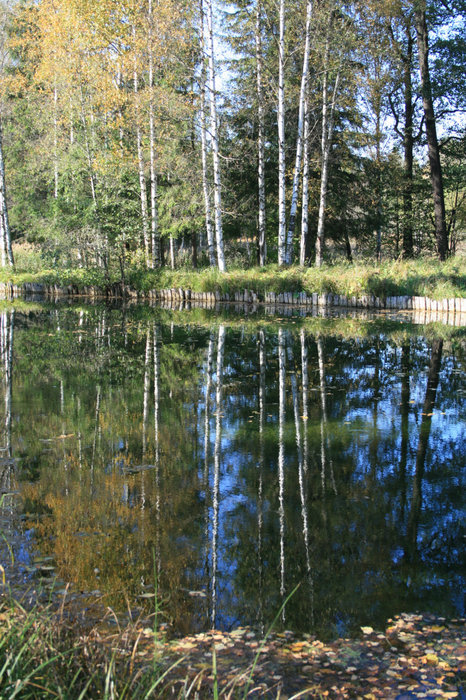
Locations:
column 299, row 138
column 327, row 130
column 7, row 252
column 55, row 142
column 260, row 138
column 88, row 150
column 281, row 140
column 142, row 177
column 205, row 179
column 214, row 140
column 305, row 195
column 155, row 234
column 172, row 253
column 2, row 234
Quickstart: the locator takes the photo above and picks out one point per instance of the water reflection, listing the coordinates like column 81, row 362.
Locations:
column 227, row 463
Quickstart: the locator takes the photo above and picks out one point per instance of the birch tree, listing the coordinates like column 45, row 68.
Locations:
column 299, row 138
column 328, row 109
column 281, row 139
column 141, row 167
column 155, row 234
column 262, row 244
column 214, row 139
column 305, row 194
column 5, row 234
column 203, row 119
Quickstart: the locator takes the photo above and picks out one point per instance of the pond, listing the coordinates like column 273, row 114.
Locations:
column 229, row 461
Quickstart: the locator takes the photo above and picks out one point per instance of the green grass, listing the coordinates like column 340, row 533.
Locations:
column 44, row 656
column 422, row 277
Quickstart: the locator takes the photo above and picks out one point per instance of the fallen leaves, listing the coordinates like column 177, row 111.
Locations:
column 418, row 656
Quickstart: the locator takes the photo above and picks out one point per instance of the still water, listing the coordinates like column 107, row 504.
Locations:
column 228, row 460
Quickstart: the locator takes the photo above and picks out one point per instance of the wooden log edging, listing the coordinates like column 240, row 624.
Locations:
column 300, row 299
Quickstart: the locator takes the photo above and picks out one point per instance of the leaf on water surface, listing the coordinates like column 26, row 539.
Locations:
column 197, row 594
column 367, row 630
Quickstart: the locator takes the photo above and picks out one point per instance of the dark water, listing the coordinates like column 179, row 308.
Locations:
column 231, row 461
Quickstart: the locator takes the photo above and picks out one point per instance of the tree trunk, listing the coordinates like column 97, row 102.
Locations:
column 205, row 179
column 88, row 150
column 215, row 146
column 349, row 254
column 55, row 142
column 155, row 234
column 262, row 246
column 408, row 249
column 7, row 252
column 299, row 138
column 327, row 130
column 431, row 130
column 378, row 139
column 281, row 140
column 142, row 177
column 172, row 253
column 305, row 198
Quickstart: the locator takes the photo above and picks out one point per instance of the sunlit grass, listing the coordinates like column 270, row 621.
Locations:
column 421, row 277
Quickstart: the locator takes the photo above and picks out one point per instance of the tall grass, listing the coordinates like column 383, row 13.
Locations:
column 421, row 277
column 44, row 656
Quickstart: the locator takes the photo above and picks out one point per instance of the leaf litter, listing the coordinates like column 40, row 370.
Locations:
column 417, row 656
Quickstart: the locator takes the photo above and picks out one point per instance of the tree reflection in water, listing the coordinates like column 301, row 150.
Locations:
column 268, row 456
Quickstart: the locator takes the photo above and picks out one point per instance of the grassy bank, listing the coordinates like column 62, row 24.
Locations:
column 423, row 277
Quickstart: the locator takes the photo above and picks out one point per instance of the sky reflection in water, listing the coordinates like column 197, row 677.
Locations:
column 242, row 459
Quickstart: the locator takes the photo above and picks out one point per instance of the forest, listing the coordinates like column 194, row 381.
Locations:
column 230, row 134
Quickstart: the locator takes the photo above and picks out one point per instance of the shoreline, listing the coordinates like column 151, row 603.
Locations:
column 451, row 311
column 415, row 655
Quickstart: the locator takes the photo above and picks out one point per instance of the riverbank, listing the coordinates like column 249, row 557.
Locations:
column 46, row 654
column 423, row 286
